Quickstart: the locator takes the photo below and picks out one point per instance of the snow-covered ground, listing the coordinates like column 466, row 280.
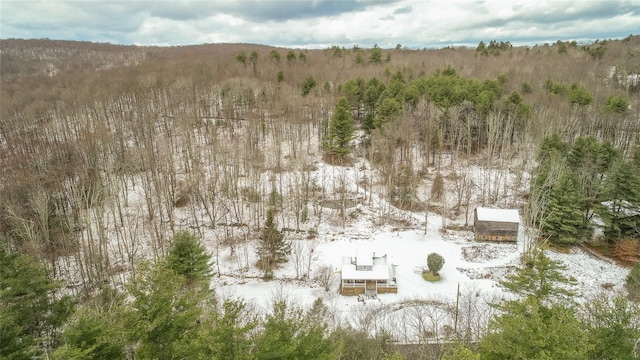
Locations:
column 469, row 277
column 468, row 265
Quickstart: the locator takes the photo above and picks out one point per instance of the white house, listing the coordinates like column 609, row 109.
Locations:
column 368, row 274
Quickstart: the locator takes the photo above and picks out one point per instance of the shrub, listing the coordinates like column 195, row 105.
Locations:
column 435, row 262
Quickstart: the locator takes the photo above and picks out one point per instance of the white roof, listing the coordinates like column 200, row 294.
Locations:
column 379, row 272
column 498, row 215
column 364, row 258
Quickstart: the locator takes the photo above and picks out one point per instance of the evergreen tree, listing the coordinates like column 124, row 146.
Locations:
column 373, row 90
column 241, row 57
column 613, row 328
column 30, row 313
column 308, row 85
column 291, row 57
column 435, row 262
column 579, row 95
column 275, row 55
column 164, row 316
column 286, row 335
column 188, row 257
column 387, row 108
column 302, row 57
column 529, row 331
column 482, row 49
column 541, row 278
column 341, row 128
column 375, row 57
column 230, row 338
column 564, row 222
column 356, row 344
column 516, row 106
column 96, row 331
column 551, row 147
column 540, row 324
column 617, row 104
column 587, row 160
column 272, row 248
column 92, row 336
column 622, row 201
column 353, row 90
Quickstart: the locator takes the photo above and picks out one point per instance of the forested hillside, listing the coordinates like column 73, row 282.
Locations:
column 130, row 175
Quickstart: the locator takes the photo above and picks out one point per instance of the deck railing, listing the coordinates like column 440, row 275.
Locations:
column 361, row 285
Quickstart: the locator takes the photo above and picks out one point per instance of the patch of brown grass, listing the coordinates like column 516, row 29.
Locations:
column 429, row 276
column 627, row 250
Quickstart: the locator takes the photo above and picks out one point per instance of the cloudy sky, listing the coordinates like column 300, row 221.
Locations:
column 320, row 23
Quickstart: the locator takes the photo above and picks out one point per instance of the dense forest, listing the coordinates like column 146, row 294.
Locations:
column 126, row 171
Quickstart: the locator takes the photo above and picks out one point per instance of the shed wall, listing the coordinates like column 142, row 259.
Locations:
column 495, row 231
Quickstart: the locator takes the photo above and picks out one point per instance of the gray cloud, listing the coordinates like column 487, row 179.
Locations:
column 284, row 10
column 403, row 10
column 319, row 23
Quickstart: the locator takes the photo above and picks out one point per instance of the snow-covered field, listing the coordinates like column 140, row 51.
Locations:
column 469, row 266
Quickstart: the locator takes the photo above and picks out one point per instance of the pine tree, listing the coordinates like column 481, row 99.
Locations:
column 187, row 257
column 529, row 331
column 564, row 222
column 163, row 319
column 435, row 262
column 372, row 93
column 387, row 108
column 230, row 337
column 272, row 248
column 551, row 147
column 613, row 328
column 29, row 309
column 540, row 324
column 622, row 199
column 541, row 279
column 96, row 330
column 92, row 335
column 340, row 132
column 287, row 335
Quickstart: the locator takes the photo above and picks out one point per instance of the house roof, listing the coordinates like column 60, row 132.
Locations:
column 498, row 215
column 378, row 272
column 364, row 258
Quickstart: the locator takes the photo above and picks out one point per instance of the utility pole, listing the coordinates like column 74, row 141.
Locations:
column 455, row 322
